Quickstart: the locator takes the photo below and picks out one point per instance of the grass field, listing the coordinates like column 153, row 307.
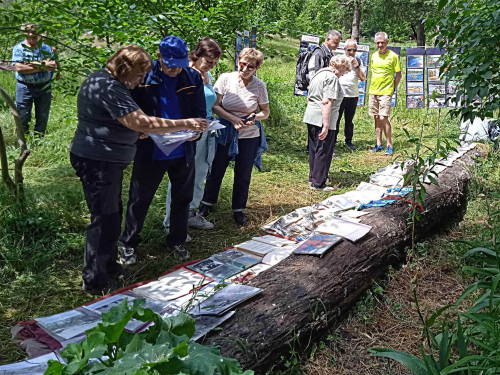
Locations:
column 41, row 250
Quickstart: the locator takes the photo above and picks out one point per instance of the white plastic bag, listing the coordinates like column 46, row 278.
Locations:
column 477, row 131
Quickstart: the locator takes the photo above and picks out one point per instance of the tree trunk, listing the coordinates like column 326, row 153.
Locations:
column 304, row 296
column 356, row 21
column 421, row 34
column 23, row 154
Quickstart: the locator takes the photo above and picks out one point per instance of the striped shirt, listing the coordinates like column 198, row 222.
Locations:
column 241, row 101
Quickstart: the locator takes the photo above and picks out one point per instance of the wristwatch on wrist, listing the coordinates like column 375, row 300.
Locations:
column 356, row 67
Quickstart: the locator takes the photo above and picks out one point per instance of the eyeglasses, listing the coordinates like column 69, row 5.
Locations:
column 244, row 64
column 351, row 50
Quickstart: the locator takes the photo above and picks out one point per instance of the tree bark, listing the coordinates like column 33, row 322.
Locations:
column 356, row 21
column 24, row 152
column 420, row 34
column 305, row 295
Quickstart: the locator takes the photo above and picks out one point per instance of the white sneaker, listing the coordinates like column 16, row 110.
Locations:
column 198, row 221
column 167, row 231
column 326, row 188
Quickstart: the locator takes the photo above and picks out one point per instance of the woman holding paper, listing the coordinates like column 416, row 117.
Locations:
column 109, row 124
column 241, row 104
column 203, row 59
column 323, row 102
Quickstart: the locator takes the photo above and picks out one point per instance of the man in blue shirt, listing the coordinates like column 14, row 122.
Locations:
column 34, row 68
column 171, row 90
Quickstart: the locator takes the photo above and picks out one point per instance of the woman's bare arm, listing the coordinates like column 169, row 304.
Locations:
column 141, row 122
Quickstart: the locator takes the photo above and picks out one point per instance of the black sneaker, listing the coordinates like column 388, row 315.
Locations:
column 204, row 210
column 351, row 146
column 179, row 252
column 240, row 218
column 127, row 255
column 110, row 287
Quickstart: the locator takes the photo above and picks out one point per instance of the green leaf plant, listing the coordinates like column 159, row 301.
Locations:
column 164, row 348
column 419, row 160
column 467, row 339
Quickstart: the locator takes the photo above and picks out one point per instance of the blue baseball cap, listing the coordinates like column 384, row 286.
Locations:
column 174, row 52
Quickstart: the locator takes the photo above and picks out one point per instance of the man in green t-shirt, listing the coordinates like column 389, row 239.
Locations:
column 386, row 74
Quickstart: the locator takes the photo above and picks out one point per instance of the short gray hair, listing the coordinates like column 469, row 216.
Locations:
column 381, row 34
column 351, row 41
column 332, row 33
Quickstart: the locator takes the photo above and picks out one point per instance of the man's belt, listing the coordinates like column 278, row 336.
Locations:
column 40, row 84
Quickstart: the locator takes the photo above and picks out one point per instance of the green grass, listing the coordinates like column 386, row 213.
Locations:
column 41, row 250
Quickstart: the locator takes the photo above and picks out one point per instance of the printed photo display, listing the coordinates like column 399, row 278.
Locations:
column 415, row 101
column 438, row 102
column 439, row 88
column 433, row 61
column 414, row 88
column 361, row 99
column 415, row 61
column 363, row 56
column 433, row 74
column 415, row 75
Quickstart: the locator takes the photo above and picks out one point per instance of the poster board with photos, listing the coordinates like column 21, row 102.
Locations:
column 362, row 53
column 396, row 50
column 307, row 42
column 254, row 37
column 246, row 38
column 415, row 66
column 238, row 48
column 436, row 83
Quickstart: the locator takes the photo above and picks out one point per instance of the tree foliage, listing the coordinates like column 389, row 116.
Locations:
column 470, row 33
column 89, row 31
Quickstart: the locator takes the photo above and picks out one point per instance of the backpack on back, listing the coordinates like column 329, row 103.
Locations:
column 302, row 70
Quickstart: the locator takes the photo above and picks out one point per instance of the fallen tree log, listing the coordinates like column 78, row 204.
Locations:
column 305, row 295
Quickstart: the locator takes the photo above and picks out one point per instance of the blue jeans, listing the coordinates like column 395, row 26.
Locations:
column 205, row 153
column 26, row 96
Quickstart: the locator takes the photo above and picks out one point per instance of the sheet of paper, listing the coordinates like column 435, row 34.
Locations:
column 225, row 299
column 360, row 233
column 206, row 323
column 68, row 324
column 215, row 125
column 363, row 197
column 273, row 240
column 365, row 186
column 344, row 228
column 169, row 142
column 386, row 181
column 165, row 290
column 277, row 256
column 352, row 219
column 33, row 366
column 352, row 214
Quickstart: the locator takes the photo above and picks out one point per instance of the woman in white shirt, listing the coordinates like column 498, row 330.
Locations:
column 241, row 104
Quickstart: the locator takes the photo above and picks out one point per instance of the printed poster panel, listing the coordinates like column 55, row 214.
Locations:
column 436, row 82
column 254, row 37
column 246, row 38
column 239, row 47
column 307, row 43
column 415, row 89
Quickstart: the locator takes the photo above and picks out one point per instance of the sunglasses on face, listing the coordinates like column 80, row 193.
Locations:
column 244, row 64
column 351, row 50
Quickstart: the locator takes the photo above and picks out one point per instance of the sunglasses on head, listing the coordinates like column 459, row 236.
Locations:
column 244, row 64
column 351, row 50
